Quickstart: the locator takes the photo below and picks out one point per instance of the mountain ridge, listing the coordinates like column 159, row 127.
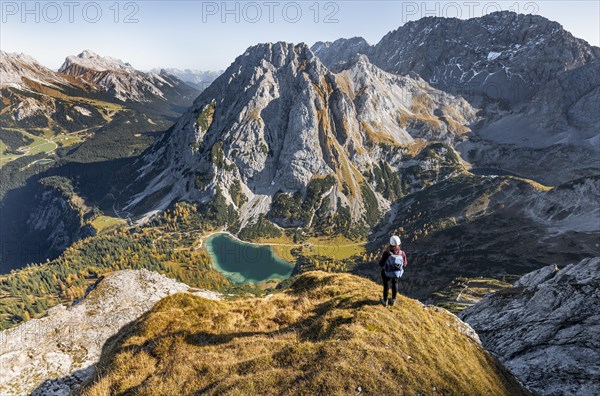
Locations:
column 508, row 38
column 300, row 349
column 120, row 79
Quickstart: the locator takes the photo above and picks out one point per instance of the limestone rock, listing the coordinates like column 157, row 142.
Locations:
column 545, row 328
column 64, row 346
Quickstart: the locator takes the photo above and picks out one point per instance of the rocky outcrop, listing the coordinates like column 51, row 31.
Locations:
column 54, row 354
column 336, row 54
column 60, row 217
column 545, row 328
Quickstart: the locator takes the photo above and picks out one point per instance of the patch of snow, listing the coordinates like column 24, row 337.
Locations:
column 493, row 55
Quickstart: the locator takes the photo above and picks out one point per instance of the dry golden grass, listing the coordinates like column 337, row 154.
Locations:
column 345, row 84
column 106, row 223
column 532, row 183
column 416, row 147
column 374, row 135
column 335, row 247
column 326, row 334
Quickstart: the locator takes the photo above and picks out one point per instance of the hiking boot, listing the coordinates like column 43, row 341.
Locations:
column 392, row 301
column 384, row 302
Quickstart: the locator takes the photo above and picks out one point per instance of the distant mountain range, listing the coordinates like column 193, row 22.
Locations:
column 73, row 97
column 93, row 110
column 199, row 79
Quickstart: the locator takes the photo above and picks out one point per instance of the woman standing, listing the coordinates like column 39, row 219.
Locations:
column 392, row 265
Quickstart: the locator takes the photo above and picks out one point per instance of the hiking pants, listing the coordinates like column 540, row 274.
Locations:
column 386, row 286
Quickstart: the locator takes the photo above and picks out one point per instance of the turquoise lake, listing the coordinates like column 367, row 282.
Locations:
column 242, row 262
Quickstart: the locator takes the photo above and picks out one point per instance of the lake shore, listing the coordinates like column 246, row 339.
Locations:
column 245, row 262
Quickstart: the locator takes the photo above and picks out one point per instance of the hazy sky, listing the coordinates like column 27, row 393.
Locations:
column 208, row 35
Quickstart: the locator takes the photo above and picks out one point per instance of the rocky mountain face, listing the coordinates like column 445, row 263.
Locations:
column 557, row 130
column 501, row 55
column 56, row 218
column 278, row 120
column 545, row 328
column 336, row 54
column 563, row 111
column 572, row 206
column 55, row 354
column 60, row 218
column 533, row 83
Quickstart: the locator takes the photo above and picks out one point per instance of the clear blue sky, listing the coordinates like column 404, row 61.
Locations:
column 203, row 35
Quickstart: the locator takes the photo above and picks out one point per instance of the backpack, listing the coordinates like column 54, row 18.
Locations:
column 394, row 266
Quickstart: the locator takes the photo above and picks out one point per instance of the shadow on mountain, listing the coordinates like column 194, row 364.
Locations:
column 483, row 231
column 64, row 385
column 96, row 182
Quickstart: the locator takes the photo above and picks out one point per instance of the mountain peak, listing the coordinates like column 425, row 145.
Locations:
column 334, row 54
column 278, row 54
column 20, row 57
column 87, row 54
column 309, row 125
column 514, row 53
column 90, row 60
column 16, row 67
column 118, row 78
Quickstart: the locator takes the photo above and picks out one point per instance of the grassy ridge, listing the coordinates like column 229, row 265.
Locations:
column 323, row 335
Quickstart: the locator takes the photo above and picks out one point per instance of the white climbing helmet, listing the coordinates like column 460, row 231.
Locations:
column 395, row 240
